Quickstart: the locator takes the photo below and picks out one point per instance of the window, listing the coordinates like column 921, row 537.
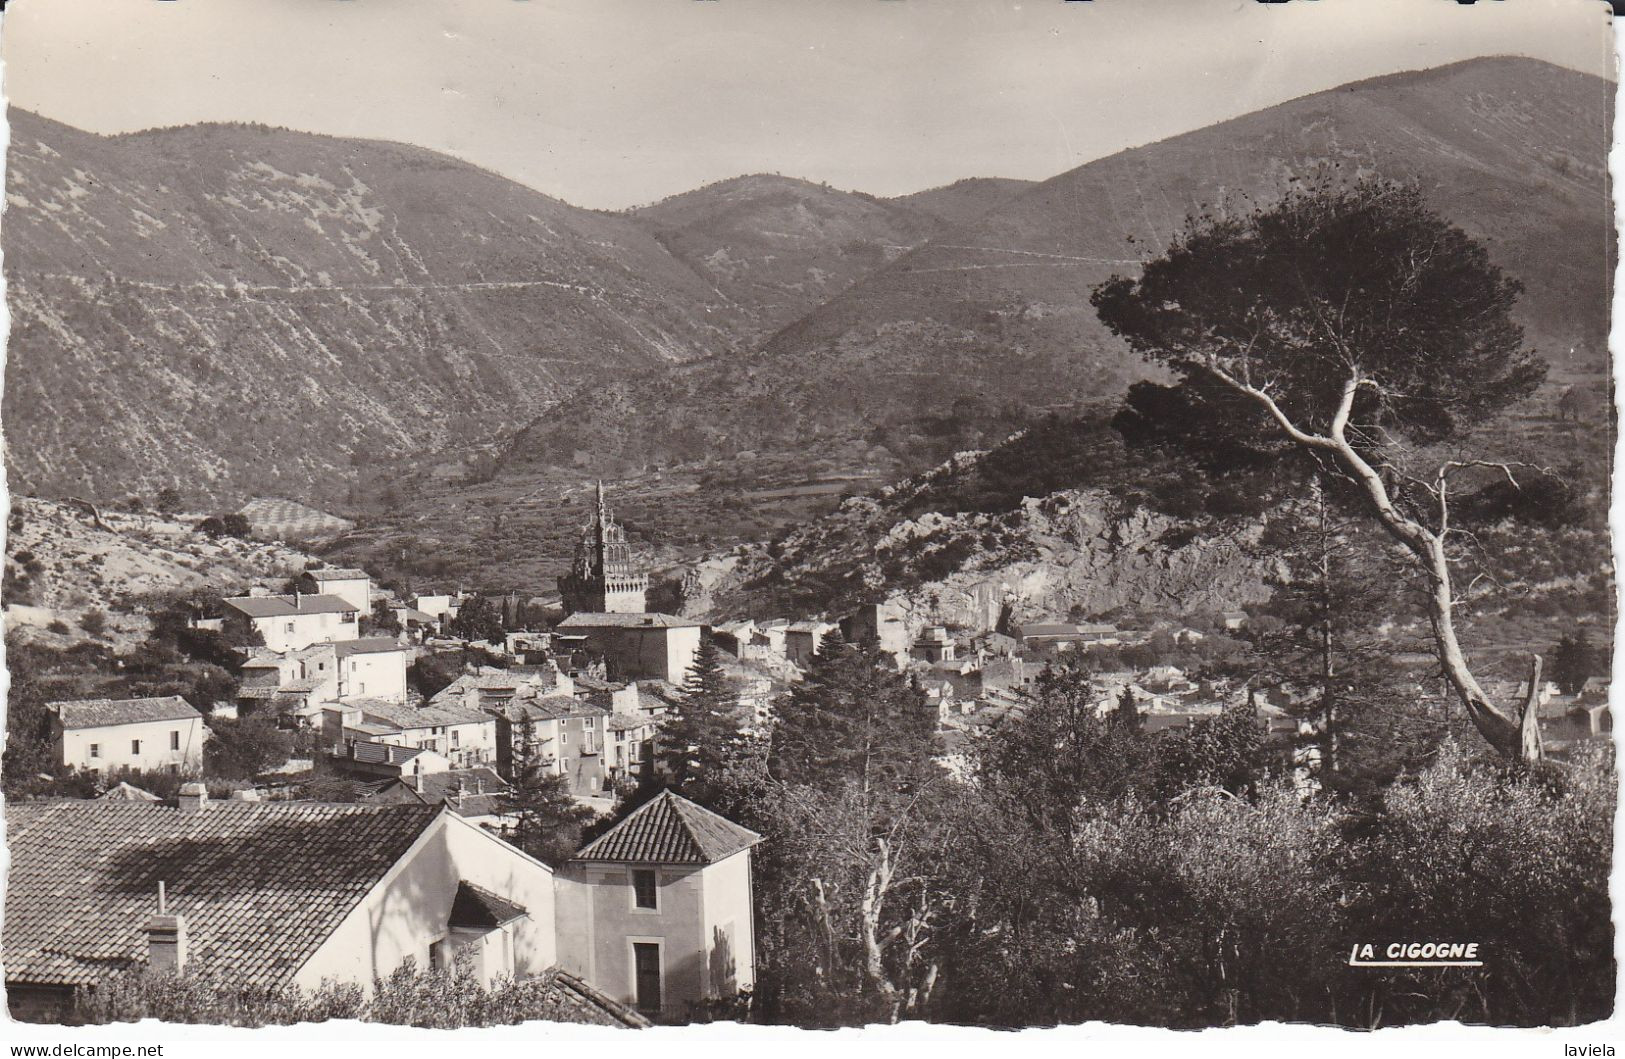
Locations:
column 174, row 770
column 135, row 746
column 437, row 955
column 175, row 740
column 361, row 689
column 564, row 737
column 456, row 738
column 289, row 628
column 645, row 891
column 95, row 750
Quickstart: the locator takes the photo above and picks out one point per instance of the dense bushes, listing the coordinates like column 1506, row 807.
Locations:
column 1083, row 869
column 434, row 1000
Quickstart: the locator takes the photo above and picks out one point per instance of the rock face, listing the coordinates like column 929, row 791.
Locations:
column 1088, row 557
column 1081, row 550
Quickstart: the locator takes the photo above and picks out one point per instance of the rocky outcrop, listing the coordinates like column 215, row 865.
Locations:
column 1079, row 551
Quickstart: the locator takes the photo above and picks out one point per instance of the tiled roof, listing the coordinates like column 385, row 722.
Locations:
column 284, row 606
column 623, row 722
column 338, row 574
column 670, row 830
column 658, row 694
column 625, row 621
column 99, row 713
column 475, row 906
column 366, row 645
column 431, row 716
column 382, row 753
column 590, row 683
column 261, row 885
column 126, row 792
column 438, row 785
column 552, row 708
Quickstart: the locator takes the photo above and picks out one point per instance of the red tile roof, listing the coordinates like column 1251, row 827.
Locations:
column 261, row 885
column 670, row 830
column 98, row 713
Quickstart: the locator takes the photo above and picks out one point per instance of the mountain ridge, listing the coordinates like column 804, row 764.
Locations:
column 996, row 311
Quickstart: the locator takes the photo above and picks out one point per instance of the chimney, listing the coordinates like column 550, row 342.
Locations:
column 166, row 939
column 417, row 780
column 246, row 794
column 194, row 797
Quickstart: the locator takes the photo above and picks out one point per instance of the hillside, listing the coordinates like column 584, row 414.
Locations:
column 776, row 247
column 992, row 319
column 60, row 565
column 242, row 310
column 965, row 201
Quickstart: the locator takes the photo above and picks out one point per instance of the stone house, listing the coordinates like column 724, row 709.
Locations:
column 637, row 646
column 568, row 737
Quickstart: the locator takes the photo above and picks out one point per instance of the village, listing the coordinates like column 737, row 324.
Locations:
column 444, row 706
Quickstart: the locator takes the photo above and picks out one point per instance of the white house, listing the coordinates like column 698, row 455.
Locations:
column 287, row 623
column 286, row 907
column 352, row 586
column 466, row 738
column 373, row 666
column 656, row 912
column 110, row 736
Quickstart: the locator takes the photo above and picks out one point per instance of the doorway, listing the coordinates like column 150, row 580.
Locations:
column 646, row 976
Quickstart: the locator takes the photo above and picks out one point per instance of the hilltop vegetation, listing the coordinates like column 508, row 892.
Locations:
column 62, row 566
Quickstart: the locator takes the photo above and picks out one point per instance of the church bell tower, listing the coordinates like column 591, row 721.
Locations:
column 604, row 578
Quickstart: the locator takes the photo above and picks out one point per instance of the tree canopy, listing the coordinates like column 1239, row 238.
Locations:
column 1342, row 330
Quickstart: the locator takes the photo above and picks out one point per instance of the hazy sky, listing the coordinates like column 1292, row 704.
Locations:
column 610, row 103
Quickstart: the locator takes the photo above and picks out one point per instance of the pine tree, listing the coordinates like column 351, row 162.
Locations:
column 1329, row 600
column 854, row 720
column 547, row 820
column 700, row 733
column 1574, row 661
